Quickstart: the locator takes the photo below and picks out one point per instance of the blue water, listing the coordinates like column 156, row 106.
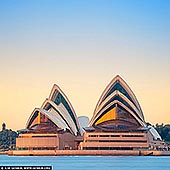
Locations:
column 91, row 162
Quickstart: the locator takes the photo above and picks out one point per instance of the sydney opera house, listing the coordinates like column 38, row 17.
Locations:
column 117, row 124
column 53, row 126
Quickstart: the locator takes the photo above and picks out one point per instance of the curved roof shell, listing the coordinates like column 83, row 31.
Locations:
column 60, row 111
column 118, row 93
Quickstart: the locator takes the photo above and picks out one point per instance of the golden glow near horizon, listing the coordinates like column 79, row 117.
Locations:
column 18, row 101
column 81, row 46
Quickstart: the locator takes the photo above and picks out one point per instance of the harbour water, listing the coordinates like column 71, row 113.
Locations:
column 90, row 162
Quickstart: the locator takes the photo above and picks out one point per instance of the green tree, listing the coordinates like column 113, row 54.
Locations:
column 7, row 139
column 164, row 131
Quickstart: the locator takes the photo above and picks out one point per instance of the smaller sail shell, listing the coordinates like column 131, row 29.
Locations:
column 59, row 110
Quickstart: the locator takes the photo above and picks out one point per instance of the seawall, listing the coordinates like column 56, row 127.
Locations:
column 88, row 153
column 3, row 152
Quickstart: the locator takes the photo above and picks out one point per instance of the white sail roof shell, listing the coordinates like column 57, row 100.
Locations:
column 105, row 97
column 62, row 115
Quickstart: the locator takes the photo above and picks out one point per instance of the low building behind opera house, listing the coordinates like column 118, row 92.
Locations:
column 117, row 124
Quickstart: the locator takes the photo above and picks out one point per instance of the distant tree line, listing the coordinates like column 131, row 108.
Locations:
column 7, row 138
column 164, row 131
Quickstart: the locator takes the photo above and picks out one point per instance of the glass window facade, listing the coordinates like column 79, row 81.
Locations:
column 122, row 101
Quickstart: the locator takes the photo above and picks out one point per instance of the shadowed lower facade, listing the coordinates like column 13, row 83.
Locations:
column 117, row 124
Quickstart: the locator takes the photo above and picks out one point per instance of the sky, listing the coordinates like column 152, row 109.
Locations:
column 81, row 46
